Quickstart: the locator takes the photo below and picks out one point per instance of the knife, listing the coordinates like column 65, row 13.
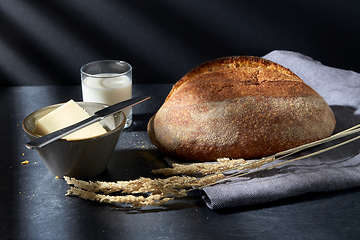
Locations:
column 96, row 117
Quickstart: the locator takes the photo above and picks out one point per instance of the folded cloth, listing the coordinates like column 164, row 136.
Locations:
column 336, row 169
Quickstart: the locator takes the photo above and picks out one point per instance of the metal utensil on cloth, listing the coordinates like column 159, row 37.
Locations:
column 98, row 116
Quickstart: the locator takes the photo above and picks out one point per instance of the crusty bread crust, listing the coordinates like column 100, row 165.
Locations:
column 239, row 107
column 235, row 62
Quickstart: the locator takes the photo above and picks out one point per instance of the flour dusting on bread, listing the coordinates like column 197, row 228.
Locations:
column 239, row 107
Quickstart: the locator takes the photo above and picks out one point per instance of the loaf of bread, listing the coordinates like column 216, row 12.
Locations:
column 239, row 107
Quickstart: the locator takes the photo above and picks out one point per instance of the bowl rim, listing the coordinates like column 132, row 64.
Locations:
column 72, row 140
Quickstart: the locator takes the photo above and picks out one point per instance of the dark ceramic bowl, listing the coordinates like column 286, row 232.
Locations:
column 81, row 158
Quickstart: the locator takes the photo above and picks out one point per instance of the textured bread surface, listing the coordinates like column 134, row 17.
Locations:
column 239, row 107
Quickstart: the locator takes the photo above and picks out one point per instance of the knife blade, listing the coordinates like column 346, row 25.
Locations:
column 96, row 117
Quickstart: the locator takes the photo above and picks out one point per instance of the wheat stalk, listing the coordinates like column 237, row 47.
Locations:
column 161, row 191
column 292, row 151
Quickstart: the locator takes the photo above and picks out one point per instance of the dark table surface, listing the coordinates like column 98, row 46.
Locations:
column 34, row 206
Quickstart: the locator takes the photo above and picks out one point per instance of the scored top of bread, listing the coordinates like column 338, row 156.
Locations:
column 239, row 107
column 254, row 71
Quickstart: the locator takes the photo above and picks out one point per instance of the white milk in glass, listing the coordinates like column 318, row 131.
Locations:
column 108, row 88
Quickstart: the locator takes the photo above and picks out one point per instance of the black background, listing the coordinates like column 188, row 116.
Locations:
column 46, row 42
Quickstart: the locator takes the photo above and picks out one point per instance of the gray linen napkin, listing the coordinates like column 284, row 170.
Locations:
column 333, row 170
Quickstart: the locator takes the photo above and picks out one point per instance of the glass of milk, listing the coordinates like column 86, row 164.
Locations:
column 108, row 82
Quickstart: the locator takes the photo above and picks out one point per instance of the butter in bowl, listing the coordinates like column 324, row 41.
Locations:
column 82, row 154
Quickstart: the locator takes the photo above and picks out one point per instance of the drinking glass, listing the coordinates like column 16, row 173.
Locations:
column 108, row 82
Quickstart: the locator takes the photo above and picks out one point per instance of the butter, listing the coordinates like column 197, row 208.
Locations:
column 64, row 116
